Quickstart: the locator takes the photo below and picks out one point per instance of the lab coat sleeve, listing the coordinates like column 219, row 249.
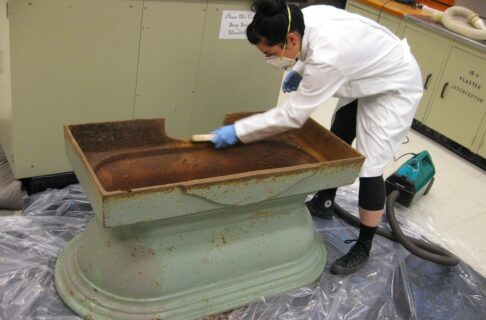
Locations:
column 319, row 83
column 299, row 67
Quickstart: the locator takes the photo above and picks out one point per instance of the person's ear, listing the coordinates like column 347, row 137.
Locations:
column 293, row 38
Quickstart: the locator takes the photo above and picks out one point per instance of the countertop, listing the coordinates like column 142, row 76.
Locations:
column 400, row 9
column 427, row 23
column 422, row 18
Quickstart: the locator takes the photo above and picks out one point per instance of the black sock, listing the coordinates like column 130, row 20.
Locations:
column 366, row 233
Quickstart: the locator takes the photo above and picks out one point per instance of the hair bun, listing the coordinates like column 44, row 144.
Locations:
column 268, row 7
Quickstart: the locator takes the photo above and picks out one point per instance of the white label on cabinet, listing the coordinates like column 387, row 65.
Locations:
column 234, row 23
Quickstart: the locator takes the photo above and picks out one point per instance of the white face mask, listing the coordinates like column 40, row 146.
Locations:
column 280, row 62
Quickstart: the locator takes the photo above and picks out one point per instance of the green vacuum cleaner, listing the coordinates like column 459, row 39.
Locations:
column 413, row 179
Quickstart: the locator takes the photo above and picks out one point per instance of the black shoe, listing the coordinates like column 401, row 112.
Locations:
column 321, row 205
column 354, row 259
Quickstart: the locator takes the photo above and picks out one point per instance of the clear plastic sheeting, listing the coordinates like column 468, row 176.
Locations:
column 29, row 245
column 392, row 285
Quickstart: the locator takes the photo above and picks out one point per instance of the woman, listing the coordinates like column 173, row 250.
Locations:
column 336, row 53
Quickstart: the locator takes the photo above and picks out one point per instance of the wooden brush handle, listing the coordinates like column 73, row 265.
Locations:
column 202, row 137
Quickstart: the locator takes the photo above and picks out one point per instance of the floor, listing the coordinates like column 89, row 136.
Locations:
column 454, row 211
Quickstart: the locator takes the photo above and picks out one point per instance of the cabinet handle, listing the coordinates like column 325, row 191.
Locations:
column 426, row 84
column 443, row 89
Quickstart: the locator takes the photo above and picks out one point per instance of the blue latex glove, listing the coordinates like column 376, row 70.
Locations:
column 291, row 82
column 225, row 136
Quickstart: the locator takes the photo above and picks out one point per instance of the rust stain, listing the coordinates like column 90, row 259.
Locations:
column 153, row 167
column 139, row 251
column 205, row 262
column 259, row 214
column 135, row 157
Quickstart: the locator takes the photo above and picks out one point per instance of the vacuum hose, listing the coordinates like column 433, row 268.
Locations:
column 474, row 27
column 417, row 247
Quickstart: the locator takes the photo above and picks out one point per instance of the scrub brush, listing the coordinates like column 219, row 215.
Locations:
column 202, row 137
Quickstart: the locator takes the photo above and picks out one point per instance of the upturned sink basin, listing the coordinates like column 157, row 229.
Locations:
column 184, row 230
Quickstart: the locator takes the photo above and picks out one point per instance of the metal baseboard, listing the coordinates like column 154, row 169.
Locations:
column 461, row 151
column 53, row 181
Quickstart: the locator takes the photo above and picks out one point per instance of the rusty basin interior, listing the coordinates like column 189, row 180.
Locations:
column 138, row 154
column 183, row 230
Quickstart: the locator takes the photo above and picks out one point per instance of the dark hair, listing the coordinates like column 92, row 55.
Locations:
column 271, row 22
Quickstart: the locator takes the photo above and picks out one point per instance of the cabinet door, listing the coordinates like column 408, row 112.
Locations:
column 458, row 106
column 232, row 74
column 392, row 23
column 169, row 50
column 71, row 62
column 351, row 7
column 430, row 52
column 482, row 147
column 5, row 89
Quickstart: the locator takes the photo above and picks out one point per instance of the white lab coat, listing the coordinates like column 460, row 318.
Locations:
column 348, row 56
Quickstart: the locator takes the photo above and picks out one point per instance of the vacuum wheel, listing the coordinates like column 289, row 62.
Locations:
column 328, row 204
column 429, row 186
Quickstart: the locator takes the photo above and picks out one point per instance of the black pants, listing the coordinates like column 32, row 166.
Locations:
column 371, row 189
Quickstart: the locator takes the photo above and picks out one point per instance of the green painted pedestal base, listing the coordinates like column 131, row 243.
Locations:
column 190, row 266
column 183, row 230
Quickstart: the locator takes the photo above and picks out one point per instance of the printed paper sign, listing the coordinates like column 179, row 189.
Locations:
column 234, row 24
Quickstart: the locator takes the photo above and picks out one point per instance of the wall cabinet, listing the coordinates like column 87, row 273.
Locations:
column 392, row 22
column 171, row 37
column 457, row 107
column 454, row 79
column 103, row 60
column 423, row 45
column 482, row 146
column 71, row 61
column 368, row 12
